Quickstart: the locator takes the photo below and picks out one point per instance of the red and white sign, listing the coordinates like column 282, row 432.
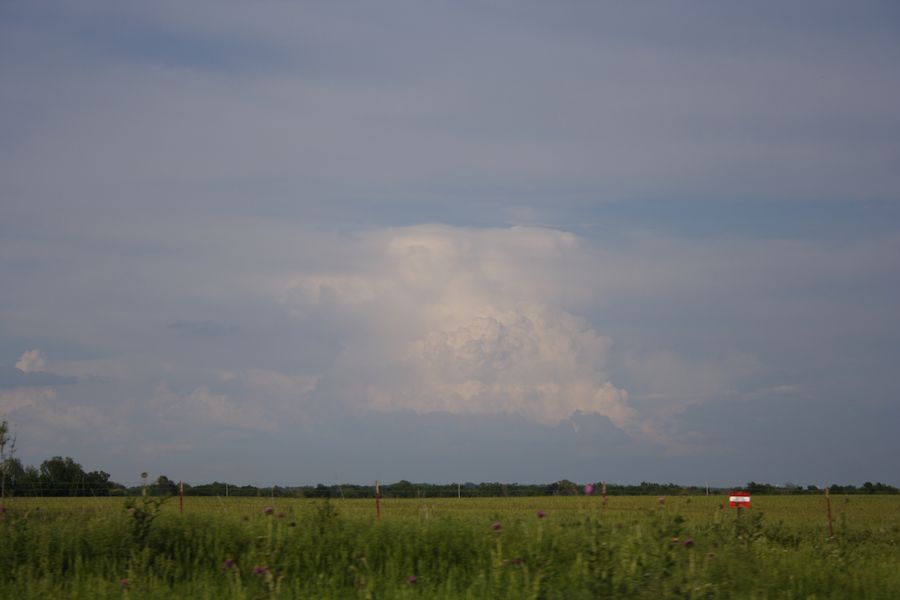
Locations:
column 739, row 499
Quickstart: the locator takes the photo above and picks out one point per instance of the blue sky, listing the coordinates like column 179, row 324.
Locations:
column 452, row 241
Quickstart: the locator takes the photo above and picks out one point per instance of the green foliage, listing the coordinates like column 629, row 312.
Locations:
column 425, row 548
column 142, row 515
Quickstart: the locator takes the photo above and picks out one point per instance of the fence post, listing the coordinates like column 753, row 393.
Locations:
column 377, row 500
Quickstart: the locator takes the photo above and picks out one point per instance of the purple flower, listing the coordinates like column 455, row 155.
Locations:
column 495, row 526
column 412, row 579
column 258, row 570
column 268, row 510
column 229, row 563
column 541, row 514
column 689, row 543
column 588, row 489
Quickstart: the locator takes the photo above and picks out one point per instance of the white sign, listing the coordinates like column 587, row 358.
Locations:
column 739, row 499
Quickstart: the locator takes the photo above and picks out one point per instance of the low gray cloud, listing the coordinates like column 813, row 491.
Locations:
column 202, row 329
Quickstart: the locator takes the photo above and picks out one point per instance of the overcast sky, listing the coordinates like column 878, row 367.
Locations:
column 299, row 242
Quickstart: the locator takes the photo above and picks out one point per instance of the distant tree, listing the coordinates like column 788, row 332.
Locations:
column 563, row 487
column 14, row 470
column 97, row 483
column 760, row 488
column 164, row 487
column 401, row 489
column 320, row 491
column 842, row 489
column 878, row 488
column 7, row 453
column 61, row 477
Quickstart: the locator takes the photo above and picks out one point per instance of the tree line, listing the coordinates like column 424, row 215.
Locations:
column 63, row 476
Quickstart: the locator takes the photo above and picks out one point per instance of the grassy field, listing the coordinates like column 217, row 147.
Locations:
column 556, row 547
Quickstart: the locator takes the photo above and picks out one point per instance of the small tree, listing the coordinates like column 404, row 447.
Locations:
column 7, row 452
column 165, row 487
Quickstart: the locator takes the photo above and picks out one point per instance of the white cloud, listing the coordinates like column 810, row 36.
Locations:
column 31, row 361
column 23, row 398
column 274, row 384
column 202, row 406
column 45, row 419
column 81, row 417
column 109, row 367
column 255, row 399
column 465, row 321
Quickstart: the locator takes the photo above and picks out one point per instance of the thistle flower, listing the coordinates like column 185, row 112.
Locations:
column 588, row 489
column 689, row 543
column 412, row 579
column 228, row 564
column 496, row 526
column 268, row 510
column 258, row 570
column 541, row 514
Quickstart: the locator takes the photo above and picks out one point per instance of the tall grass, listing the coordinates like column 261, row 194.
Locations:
column 635, row 548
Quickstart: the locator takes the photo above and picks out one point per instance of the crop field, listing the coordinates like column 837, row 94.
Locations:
column 553, row 547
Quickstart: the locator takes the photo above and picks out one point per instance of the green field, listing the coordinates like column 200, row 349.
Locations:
column 635, row 547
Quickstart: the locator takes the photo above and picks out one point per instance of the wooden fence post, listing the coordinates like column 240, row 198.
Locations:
column 377, row 500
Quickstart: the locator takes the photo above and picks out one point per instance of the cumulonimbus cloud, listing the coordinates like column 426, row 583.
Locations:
column 466, row 321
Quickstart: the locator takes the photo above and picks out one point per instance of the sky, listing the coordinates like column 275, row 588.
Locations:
column 302, row 242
